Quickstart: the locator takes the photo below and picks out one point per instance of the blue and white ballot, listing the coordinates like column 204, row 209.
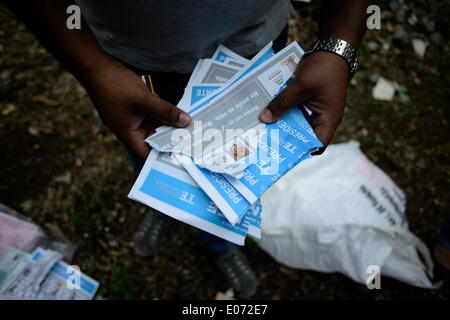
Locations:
column 254, row 220
column 233, row 110
column 280, row 146
column 286, row 143
column 224, row 194
column 42, row 275
column 199, row 91
column 229, row 57
column 213, row 71
column 164, row 185
column 283, row 145
column 227, row 198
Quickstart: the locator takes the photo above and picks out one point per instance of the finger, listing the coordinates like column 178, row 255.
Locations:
column 324, row 128
column 167, row 112
column 135, row 141
column 287, row 98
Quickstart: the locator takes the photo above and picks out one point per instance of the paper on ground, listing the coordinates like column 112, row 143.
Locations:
column 18, row 233
column 55, row 285
column 42, row 275
column 383, row 90
column 12, row 262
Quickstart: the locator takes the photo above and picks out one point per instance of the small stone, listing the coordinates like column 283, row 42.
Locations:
column 230, row 293
column 364, row 132
column 410, row 155
column 436, row 37
column 401, row 37
column 394, row 5
column 26, row 205
column 8, row 109
column 112, row 243
column 5, row 74
column 390, row 27
column 420, row 47
column 374, row 77
column 64, row 178
column 404, row 98
column 412, row 20
column 383, row 90
column 428, row 23
column 372, row 45
column 221, row 296
column 33, row 131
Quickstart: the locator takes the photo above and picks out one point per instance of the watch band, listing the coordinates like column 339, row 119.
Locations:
column 339, row 47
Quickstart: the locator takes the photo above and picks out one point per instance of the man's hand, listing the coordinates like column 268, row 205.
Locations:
column 322, row 78
column 321, row 81
column 128, row 106
column 123, row 100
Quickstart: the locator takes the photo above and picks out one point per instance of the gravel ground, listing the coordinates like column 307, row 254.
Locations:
column 60, row 165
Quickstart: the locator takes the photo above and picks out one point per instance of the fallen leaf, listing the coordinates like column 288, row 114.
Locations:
column 45, row 100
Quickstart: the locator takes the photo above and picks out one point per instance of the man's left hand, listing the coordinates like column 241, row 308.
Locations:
column 321, row 81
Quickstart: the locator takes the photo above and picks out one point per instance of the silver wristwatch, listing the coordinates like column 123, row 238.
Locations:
column 337, row 46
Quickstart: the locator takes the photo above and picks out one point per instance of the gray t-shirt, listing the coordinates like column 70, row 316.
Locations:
column 171, row 35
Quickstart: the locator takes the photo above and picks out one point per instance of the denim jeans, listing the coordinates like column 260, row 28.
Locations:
column 170, row 87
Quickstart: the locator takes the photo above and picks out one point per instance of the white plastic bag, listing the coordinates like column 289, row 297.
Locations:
column 338, row 212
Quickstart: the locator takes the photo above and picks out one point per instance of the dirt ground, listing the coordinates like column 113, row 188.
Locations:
column 60, row 165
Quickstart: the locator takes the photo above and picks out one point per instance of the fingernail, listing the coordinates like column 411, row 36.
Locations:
column 184, row 119
column 266, row 115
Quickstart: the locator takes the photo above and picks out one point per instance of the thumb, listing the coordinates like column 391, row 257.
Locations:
column 167, row 112
column 286, row 99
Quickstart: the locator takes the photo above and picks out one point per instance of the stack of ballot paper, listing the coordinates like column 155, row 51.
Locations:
column 42, row 275
column 212, row 174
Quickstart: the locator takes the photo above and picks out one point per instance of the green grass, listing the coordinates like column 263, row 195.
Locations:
column 94, row 203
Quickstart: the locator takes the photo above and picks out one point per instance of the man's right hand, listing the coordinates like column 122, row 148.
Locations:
column 128, row 106
column 123, row 100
